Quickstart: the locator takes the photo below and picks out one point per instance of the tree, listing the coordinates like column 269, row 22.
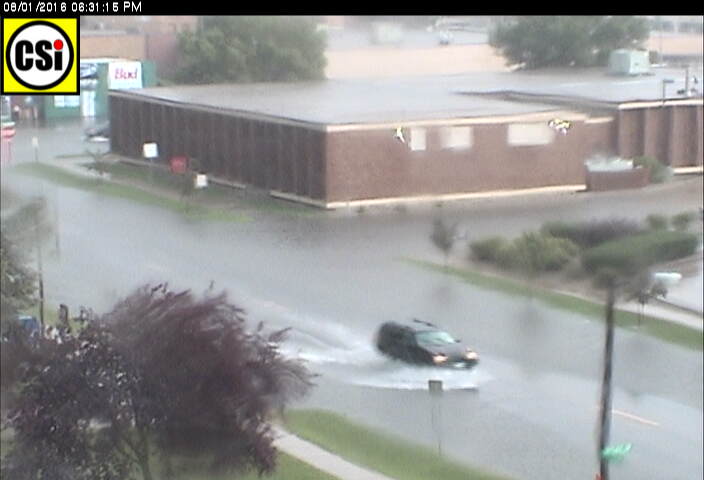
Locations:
column 28, row 224
column 535, row 42
column 17, row 282
column 251, row 49
column 164, row 373
column 443, row 236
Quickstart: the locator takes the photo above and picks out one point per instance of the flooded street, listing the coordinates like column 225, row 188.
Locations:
column 529, row 410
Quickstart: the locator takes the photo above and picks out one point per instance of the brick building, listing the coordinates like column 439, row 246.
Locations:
column 334, row 142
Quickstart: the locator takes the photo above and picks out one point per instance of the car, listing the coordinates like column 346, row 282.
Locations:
column 98, row 133
column 423, row 343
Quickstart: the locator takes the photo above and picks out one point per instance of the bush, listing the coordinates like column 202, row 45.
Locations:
column 682, row 221
column 488, row 249
column 657, row 222
column 532, row 252
column 659, row 172
column 543, row 253
column 591, row 234
column 630, row 255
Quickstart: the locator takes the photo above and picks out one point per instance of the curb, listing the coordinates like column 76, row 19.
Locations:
column 321, row 459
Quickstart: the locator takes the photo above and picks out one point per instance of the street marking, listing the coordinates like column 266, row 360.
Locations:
column 635, row 418
column 630, row 416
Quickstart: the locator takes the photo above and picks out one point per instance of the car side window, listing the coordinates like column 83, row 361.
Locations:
column 408, row 338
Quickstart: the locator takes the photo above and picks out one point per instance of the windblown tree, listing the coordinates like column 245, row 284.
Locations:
column 251, row 49
column 164, row 374
column 443, row 236
column 533, row 42
column 25, row 223
column 17, row 281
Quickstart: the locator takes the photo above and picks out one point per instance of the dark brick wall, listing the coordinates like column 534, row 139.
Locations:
column 349, row 165
column 267, row 155
column 672, row 134
column 602, row 181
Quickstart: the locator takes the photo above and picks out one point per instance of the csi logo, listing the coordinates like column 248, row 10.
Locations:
column 39, row 55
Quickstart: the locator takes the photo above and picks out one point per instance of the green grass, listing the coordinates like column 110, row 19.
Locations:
column 367, row 447
column 664, row 330
column 214, row 194
column 193, row 211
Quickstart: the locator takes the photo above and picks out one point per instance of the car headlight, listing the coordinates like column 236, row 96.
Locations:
column 470, row 355
column 439, row 358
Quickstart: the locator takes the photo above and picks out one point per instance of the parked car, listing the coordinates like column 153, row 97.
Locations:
column 423, row 343
column 98, row 133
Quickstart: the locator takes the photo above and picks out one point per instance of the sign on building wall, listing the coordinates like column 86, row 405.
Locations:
column 124, row 75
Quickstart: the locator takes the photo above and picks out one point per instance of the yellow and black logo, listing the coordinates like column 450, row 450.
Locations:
column 40, row 55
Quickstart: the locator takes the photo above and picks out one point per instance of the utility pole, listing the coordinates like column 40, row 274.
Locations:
column 37, row 240
column 605, row 424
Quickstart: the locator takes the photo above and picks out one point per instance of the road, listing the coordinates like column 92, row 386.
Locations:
column 529, row 410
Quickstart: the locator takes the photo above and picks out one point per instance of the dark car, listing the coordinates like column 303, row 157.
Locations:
column 424, row 343
column 98, row 133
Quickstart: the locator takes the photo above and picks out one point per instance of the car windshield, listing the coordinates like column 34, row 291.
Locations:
column 435, row 337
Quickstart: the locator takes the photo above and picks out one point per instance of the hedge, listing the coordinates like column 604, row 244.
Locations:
column 630, row 255
column 591, row 234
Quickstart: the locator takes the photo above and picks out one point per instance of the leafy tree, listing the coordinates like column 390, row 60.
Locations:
column 252, row 49
column 17, row 282
column 443, row 236
column 26, row 224
column 164, row 373
column 682, row 221
column 550, row 41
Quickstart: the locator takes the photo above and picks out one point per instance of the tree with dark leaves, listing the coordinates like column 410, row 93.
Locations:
column 533, row 42
column 163, row 374
column 252, row 49
column 17, row 281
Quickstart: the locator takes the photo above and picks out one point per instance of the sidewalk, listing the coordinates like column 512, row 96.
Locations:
column 321, row 459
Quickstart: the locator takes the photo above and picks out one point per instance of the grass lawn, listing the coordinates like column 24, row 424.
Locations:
column 383, row 453
column 195, row 211
column 215, row 194
column 664, row 330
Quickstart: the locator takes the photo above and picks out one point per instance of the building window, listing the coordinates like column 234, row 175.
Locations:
column 417, row 139
column 456, row 138
column 67, row 101
column 530, row 134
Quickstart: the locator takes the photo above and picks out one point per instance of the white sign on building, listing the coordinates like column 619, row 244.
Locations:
column 124, row 75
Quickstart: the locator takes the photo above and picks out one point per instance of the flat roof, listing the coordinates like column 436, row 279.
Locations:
column 429, row 98
column 336, row 102
column 600, row 86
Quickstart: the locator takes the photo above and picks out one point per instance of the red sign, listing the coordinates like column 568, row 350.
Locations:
column 178, row 164
column 8, row 132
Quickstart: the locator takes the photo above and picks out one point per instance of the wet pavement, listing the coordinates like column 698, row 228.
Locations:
column 529, row 410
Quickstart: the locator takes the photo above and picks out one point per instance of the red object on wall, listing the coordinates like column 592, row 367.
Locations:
column 179, row 164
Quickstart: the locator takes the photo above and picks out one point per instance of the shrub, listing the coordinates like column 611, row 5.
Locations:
column 591, row 234
column 630, row 255
column 509, row 257
column 487, row 250
column 542, row 252
column 682, row 221
column 657, row 222
column 659, row 172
